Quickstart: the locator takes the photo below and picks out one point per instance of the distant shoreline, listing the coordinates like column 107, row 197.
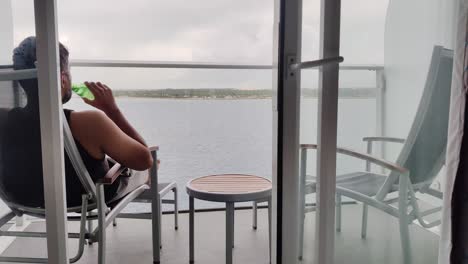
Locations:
column 232, row 94
column 190, row 98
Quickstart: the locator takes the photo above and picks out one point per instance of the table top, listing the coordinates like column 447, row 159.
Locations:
column 230, row 188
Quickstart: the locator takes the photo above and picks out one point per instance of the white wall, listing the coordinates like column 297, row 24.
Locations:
column 412, row 29
column 6, row 32
column 6, row 48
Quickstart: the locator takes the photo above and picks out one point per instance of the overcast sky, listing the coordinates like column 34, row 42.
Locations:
column 225, row 31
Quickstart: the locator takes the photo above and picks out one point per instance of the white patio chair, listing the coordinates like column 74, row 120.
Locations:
column 419, row 162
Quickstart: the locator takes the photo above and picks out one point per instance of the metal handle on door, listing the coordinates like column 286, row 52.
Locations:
column 311, row 64
column 315, row 63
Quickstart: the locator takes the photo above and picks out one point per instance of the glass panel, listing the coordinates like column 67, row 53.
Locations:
column 411, row 90
column 395, row 82
column 206, row 121
column 203, row 125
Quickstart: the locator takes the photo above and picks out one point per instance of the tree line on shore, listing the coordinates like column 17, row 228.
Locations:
column 229, row 93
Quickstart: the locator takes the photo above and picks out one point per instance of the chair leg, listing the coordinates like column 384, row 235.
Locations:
column 160, row 221
column 254, row 215
column 114, row 223
column 155, row 222
column 155, row 230
column 301, row 231
column 269, row 227
column 404, row 221
column 176, row 208
column 365, row 209
column 338, row 213
column 155, row 210
column 90, row 228
column 101, row 224
column 405, row 242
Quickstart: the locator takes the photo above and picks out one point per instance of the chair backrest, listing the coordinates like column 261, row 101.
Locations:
column 21, row 183
column 76, row 160
column 19, row 146
column 423, row 152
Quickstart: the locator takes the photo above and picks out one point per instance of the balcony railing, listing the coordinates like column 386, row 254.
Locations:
column 377, row 91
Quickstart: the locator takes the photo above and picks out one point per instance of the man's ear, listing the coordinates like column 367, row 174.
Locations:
column 62, row 79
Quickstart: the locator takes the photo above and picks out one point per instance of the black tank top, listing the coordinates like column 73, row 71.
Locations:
column 21, row 176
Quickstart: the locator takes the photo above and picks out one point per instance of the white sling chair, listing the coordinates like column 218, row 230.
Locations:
column 419, row 162
column 92, row 200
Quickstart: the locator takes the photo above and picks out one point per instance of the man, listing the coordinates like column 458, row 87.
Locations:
column 98, row 134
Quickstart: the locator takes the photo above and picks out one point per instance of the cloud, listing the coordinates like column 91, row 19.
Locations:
column 223, row 31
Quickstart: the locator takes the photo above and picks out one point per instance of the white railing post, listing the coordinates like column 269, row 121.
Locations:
column 50, row 110
column 380, row 111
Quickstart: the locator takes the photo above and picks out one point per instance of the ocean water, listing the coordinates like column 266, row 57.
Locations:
column 204, row 137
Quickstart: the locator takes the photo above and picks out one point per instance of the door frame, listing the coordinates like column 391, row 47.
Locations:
column 286, row 131
column 287, row 44
column 327, row 132
column 50, row 110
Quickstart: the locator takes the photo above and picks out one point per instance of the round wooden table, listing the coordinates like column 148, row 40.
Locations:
column 229, row 189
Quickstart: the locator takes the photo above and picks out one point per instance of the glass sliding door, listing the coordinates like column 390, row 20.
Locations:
column 392, row 131
column 370, row 171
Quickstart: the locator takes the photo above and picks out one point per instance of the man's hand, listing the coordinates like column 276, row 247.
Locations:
column 104, row 101
column 103, row 98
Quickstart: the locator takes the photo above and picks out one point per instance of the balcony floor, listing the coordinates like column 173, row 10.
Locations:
column 130, row 241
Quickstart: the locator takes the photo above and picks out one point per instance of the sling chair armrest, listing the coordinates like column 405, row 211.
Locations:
column 153, row 148
column 366, row 157
column 112, row 174
column 384, row 139
column 117, row 170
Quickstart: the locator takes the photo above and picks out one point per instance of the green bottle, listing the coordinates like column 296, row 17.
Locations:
column 83, row 91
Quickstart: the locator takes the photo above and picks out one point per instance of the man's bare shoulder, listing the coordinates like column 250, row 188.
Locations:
column 90, row 121
column 90, row 128
column 88, row 116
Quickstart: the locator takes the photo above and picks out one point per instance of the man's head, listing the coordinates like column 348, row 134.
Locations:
column 24, row 57
column 65, row 76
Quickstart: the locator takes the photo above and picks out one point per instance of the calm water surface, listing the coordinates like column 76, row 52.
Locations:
column 203, row 137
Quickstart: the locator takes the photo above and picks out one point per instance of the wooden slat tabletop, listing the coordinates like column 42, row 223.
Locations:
column 230, row 184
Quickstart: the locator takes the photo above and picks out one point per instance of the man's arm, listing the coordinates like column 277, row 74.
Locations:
column 108, row 132
column 104, row 100
column 100, row 136
column 125, row 126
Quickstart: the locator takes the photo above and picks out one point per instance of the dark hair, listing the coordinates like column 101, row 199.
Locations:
column 63, row 54
column 24, row 57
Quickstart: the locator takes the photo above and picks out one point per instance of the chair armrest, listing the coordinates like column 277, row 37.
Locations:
column 112, row 174
column 366, row 157
column 384, row 139
column 153, row 148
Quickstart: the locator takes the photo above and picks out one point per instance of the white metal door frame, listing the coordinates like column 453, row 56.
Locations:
column 286, row 172
column 286, row 200
column 327, row 132
column 50, row 108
